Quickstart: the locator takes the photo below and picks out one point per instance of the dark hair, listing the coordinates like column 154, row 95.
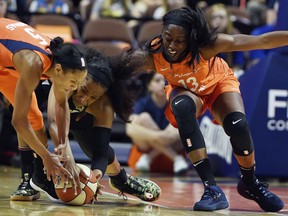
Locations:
column 101, row 71
column 99, row 68
column 196, row 26
column 67, row 54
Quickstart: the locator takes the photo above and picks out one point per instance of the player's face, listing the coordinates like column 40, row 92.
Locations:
column 68, row 80
column 88, row 92
column 175, row 41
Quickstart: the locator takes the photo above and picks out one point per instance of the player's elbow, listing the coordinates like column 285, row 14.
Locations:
column 18, row 123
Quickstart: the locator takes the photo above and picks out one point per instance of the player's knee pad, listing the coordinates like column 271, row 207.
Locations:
column 236, row 127
column 184, row 110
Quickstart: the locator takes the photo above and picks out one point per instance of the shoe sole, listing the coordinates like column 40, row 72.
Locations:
column 276, row 209
column 147, row 200
column 25, row 198
column 219, row 206
column 35, row 187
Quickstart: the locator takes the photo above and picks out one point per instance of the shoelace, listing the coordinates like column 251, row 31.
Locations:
column 209, row 193
column 263, row 188
column 122, row 194
column 24, row 185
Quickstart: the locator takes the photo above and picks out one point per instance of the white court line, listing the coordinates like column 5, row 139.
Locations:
column 135, row 199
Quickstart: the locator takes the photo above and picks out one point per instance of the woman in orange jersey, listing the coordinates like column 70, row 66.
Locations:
column 185, row 53
column 26, row 57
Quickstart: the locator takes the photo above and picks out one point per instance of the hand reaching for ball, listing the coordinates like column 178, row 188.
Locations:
column 84, row 194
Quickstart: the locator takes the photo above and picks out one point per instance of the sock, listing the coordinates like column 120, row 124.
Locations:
column 26, row 158
column 248, row 176
column 205, row 172
column 121, row 177
column 38, row 167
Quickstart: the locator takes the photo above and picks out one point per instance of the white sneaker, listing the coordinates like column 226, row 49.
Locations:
column 180, row 165
column 143, row 164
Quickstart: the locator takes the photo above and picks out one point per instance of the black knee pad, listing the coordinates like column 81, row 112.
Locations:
column 184, row 110
column 236, row 127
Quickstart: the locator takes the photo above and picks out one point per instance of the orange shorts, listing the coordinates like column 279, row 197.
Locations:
column 7, row 88
column 228, row 83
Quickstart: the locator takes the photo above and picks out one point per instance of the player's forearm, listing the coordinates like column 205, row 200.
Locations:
column 62, row 122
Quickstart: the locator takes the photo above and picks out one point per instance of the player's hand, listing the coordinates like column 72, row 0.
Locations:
column 61, row 151
column 53, row 168
column 98, row 192
column 75, row 171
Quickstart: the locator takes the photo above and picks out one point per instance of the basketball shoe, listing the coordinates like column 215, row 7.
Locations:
column 142, row 188
column 25, row 192
column 212, row 199
column 259, row 192
column 43, row 185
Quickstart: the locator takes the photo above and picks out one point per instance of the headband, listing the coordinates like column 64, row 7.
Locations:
column 101, row 77
column 178, row 22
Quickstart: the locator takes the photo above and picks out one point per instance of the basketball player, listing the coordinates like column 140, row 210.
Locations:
column 185, row 54
column 26, row 57
column 92, row 108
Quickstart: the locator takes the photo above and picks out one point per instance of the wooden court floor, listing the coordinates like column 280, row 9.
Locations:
column 177, row 199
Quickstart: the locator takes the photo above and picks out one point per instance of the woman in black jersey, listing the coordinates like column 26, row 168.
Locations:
column 92, row 108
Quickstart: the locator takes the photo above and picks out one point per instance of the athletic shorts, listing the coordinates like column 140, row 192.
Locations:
column 7, row 88
column 228, row 83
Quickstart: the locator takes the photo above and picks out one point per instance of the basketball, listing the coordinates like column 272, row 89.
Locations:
column 83, row 195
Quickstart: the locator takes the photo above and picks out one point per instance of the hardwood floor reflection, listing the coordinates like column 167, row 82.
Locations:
column 177, row 198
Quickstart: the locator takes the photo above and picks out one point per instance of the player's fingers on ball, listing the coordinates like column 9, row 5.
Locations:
column 84, row 174
column 64, row 173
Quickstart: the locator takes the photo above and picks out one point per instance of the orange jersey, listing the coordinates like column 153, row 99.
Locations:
column 207, row 80
column 200, row 80
column 15, row 36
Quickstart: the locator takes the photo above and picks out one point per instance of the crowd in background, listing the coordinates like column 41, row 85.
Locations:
column 229, row 16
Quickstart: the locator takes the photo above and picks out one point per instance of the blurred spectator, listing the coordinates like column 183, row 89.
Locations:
column 7, row 6
column 203, row 4
column 50, row 6
column 110, row 8
column 156, row 141
column 218, row 17
column 8, row 136
column 257, row 12
column 85, row 9
column 271, row 19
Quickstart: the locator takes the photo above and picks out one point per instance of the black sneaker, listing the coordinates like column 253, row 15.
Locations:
column 139, row 187
column 213, row 199
column 25, row 192
column 45, row 186
column 259, row 192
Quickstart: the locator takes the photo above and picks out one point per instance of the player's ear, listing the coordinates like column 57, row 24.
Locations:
column 58, row 69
